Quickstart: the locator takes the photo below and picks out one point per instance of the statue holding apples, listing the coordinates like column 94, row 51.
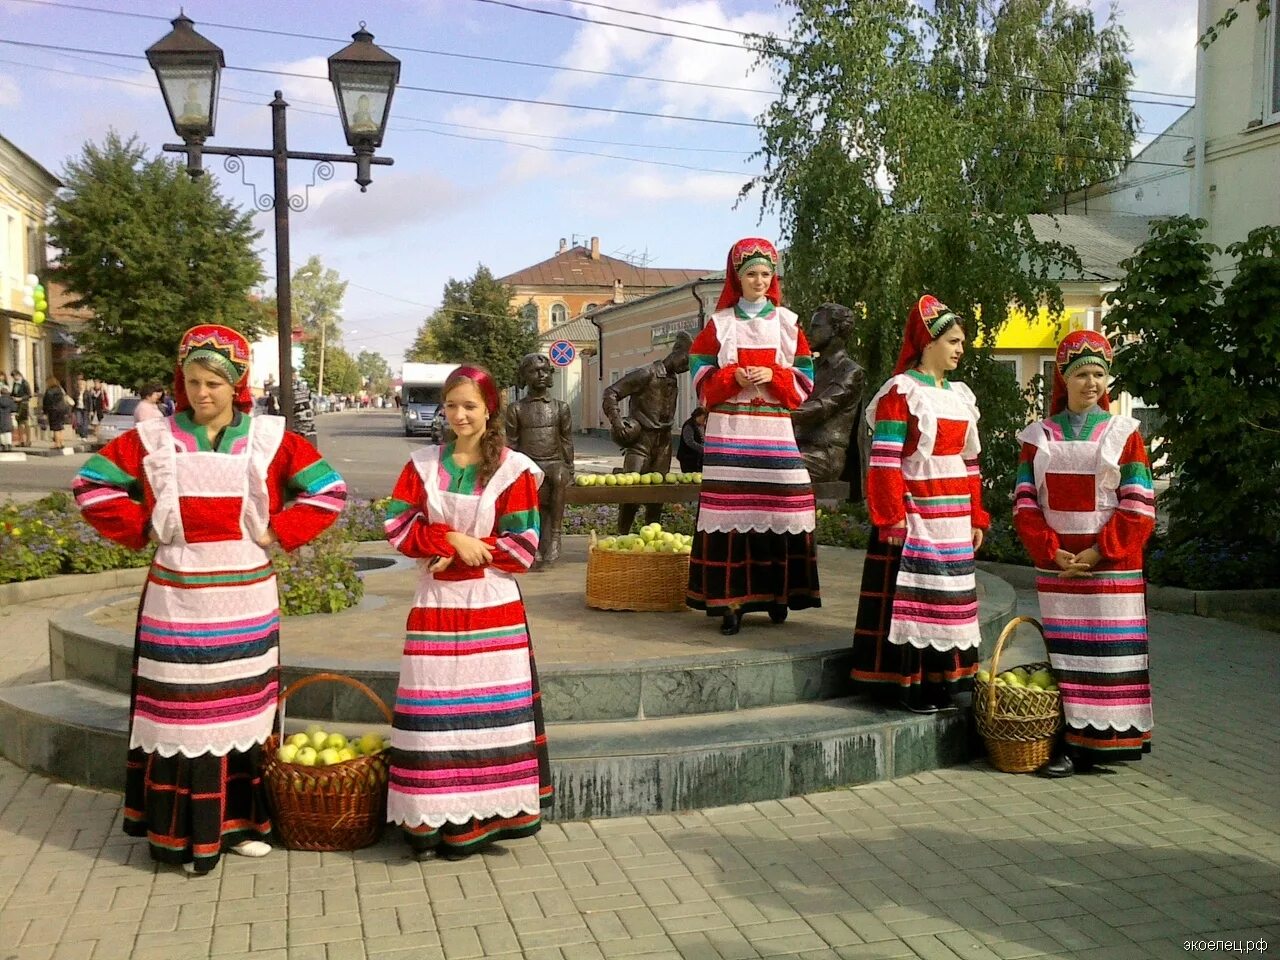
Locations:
column 644, row 434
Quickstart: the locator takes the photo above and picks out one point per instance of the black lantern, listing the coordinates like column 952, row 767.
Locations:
column 188, row 67
column 364, row 77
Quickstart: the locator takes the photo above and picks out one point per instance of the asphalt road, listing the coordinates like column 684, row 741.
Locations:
column 368, row 447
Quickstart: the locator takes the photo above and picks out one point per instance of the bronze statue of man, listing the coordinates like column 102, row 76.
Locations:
column 824, row 423
column 541, row 428
column 645, row 433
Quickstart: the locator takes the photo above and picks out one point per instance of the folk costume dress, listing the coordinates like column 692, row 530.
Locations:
column 206, row 649
column 916, row 634
column 469, row 758
column 1085, row 481
column 754, row 547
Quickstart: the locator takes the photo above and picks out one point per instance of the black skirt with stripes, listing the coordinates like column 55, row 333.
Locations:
column 892, row 671
column 745, row 572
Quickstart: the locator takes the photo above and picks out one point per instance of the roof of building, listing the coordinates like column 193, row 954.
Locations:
column 578, row 330
column 574, row 267
column 33, row 163
column 1101, row 241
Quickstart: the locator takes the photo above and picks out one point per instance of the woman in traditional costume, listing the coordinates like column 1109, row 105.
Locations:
column 1084, row 507
column 469, row 758
column 754, row 547
column 209, row 486
column 916, row 637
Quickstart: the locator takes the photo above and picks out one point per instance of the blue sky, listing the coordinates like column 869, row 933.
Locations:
column 471, row 183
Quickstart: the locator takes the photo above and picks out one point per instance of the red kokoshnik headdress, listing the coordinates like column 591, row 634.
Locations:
column 1081, row 348
column 743, row 254
column 483, row 381
column 927, row 321
column 225, row 349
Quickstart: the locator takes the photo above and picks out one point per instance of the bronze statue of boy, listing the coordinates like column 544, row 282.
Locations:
column 541, row 428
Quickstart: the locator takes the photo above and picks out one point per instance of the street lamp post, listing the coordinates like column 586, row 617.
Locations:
column 364, row 78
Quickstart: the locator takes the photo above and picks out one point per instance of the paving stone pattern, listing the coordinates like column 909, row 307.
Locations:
column 960, row 863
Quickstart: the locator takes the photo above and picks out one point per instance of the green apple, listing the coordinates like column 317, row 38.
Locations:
column 697, row 478
column 646, row 478
column 984, row 675
column 318, row 737
column 300, row 740
column 672, row 478
column 335, row 740
column 306, row 756
column 611, row 480
column 345, row 754
column 370, row 743
column 328, row 756
column 286, row 753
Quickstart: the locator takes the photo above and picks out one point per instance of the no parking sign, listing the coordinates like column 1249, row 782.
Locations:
column 562, row 353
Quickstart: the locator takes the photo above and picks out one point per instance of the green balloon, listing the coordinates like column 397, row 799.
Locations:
column 37, row 317
column 38, row 289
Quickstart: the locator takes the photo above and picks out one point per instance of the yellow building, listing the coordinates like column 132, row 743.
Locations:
column 26, row 190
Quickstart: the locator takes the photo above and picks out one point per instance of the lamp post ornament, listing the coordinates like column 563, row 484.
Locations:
column 364, row 77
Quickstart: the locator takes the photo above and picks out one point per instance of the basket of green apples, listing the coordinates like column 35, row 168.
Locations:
column 1018, row 712
column 646, row 571
column 327, row 792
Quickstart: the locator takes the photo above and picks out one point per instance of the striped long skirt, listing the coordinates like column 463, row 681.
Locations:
column 750, row 571
column 893, row 671
column 1096, row 631
column 192, row 809
column 469, row 760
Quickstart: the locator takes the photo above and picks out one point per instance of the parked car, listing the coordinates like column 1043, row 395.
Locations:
column 119, row 419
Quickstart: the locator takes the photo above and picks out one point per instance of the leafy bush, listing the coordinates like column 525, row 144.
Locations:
column 47, row 537
column 1207, row 563
column 362, row 520
column 318, row 578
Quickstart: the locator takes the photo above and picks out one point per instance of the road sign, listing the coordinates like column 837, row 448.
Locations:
column 562, row 353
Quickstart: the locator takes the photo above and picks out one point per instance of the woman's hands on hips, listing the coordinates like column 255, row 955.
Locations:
column 977, row 535
column 471, row 551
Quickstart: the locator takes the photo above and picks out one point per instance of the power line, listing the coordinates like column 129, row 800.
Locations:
column 757, row 36
column 610, row 23
column 409, row 49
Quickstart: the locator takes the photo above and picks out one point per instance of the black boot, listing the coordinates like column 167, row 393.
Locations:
column 1058, row 767
column 731, row 623
column 778, row 612
column 941, row 698
column 913, row 699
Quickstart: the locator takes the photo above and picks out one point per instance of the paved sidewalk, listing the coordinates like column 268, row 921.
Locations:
column 962, row 863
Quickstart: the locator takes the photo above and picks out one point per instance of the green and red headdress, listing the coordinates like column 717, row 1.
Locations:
column 746, row 253
column 929, row 319
column 1080, row 348
column 223, row 349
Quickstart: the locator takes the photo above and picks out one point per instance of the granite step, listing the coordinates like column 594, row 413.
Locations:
column 77, row 732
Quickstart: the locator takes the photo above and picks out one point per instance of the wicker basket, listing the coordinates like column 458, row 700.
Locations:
column 1019, row 725
column 653, row 582
column 339, row 807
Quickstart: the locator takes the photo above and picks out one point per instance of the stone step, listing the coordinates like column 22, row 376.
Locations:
column 78, row 733
column 723, row 681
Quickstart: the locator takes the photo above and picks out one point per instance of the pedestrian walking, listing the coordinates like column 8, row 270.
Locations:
column 753, row 548
column 209, row 487
column 148, row 407
column 7, row 410
column 22, row 395
column 57, row 407
column 916, row 636
column 1084, row 508
column 469, row 758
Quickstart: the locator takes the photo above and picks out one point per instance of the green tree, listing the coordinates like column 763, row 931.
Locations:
column 375, row 371
column 150, row 252
column 316, row 295
column 1209, row 358
column 475, row 323
column 907, row 149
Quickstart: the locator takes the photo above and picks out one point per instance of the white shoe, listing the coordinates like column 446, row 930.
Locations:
column 252, row 848
column 189, row 867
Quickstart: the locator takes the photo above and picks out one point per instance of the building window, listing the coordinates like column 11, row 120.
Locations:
column 559, row 314
column 1047, row 368
column 529, row 314
column 35, row 252
column 1273, row 66
column 589, row 307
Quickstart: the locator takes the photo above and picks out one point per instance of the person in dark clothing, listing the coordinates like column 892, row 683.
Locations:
column 689, row 453
column 7, row 409
column 56, row 408
column 20, row 390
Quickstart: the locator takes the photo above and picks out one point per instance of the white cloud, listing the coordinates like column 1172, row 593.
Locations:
column 1164, row 44
column 718, row 188
column 396, row 200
